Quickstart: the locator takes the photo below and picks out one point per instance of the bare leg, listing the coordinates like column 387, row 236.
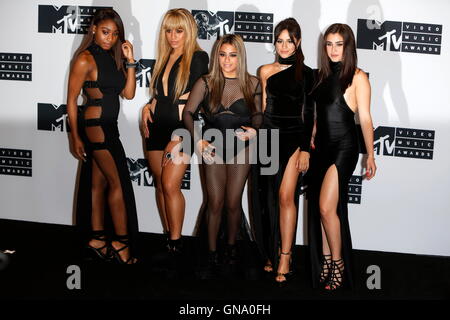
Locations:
column 99, row 185
column 288, row 215
column 172, row 176
column 329, row 197
column 154, row 160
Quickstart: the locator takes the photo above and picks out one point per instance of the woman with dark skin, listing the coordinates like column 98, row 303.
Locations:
column 342, row 91
column 98, row 69
column 288, row 109
column 179, row 64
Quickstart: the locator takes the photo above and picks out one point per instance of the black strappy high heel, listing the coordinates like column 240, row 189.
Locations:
column 103, row 252
column 116, row 252
column 336, row 280
column 287, row 276
column 326, row 268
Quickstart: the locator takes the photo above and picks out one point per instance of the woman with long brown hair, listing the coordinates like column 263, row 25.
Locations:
column 342, row 91
column 231, row 100
column 104, row 68
column 289, row 110
column 180, row 62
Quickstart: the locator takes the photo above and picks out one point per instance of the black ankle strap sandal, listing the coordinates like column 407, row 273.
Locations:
column 123, row 239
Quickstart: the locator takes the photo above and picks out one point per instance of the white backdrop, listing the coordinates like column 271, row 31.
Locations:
column 404, row 209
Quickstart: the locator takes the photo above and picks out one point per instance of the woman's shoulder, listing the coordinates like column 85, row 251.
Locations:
column 265, row 71
column 83, row 60
column 360, row 76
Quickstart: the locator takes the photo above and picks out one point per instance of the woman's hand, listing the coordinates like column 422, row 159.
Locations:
column 146, row 117
column 127, row 50
column 371, row 167
column 313, row 146
column 302, row 163
column 171, row 152
column 206, row 149
column 248, row 134
column 78, row 149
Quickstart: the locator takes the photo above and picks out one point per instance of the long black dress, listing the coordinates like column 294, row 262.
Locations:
column 97, row 126
column 290, row 111
column 336, row 143
column 166, row 117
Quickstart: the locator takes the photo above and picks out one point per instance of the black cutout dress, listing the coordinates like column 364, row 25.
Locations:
column 166, row 117
column 97, row 125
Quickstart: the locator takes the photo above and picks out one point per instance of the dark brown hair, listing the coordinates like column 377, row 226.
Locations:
column 295, row 34
column 88, row 40
column 349, row 57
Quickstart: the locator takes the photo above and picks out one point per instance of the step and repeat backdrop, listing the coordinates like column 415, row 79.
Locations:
column 402, row 45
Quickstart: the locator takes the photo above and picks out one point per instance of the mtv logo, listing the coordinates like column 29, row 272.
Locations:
column 144, row 71
column 51, row 117
column 64, row 19
column 213, row 24
column 139, row 172
column 385, row 36
column 384, row 141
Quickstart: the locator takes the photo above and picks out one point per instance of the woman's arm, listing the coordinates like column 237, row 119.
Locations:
column 77, row 76
column 363, row 92
column 130, row 86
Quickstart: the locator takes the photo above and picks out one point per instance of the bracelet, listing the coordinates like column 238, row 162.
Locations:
column 131, row 64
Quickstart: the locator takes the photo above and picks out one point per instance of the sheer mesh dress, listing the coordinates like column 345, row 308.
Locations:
column 227, row 175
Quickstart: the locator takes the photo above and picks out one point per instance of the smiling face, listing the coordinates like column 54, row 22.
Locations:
column 228, row 60
column 334, row 43
column 176, row 38
column 284, row 46
column 106, row 34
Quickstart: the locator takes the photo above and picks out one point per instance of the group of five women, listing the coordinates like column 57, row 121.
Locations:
column 312, row 113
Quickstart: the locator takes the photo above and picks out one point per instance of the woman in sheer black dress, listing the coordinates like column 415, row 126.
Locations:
column 179, row 64
column 288, row 109
column 98, row 69
column 342, row 90
column 231, row 100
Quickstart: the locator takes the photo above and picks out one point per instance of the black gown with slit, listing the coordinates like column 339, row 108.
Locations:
column 290, row 111
column 166, row 116
column 97, row 126
column 336, row 143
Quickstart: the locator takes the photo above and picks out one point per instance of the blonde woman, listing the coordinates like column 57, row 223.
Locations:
column 180, row 62
column 231, row 100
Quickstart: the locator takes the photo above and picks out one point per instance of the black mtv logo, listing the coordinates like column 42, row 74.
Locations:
column 212, row 24
column 372, row 35
column 142, row 176
column 51, row 117
column 139, row 172
column 65, row 19
column 144, row 71
column 384, row 141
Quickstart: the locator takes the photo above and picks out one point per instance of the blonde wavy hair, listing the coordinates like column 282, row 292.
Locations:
column 176, row 19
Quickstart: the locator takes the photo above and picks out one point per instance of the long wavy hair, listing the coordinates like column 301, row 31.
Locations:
column 295, row 34
column 349, row 57
column 176, row 19
column 216, row 79
column 88, row 40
